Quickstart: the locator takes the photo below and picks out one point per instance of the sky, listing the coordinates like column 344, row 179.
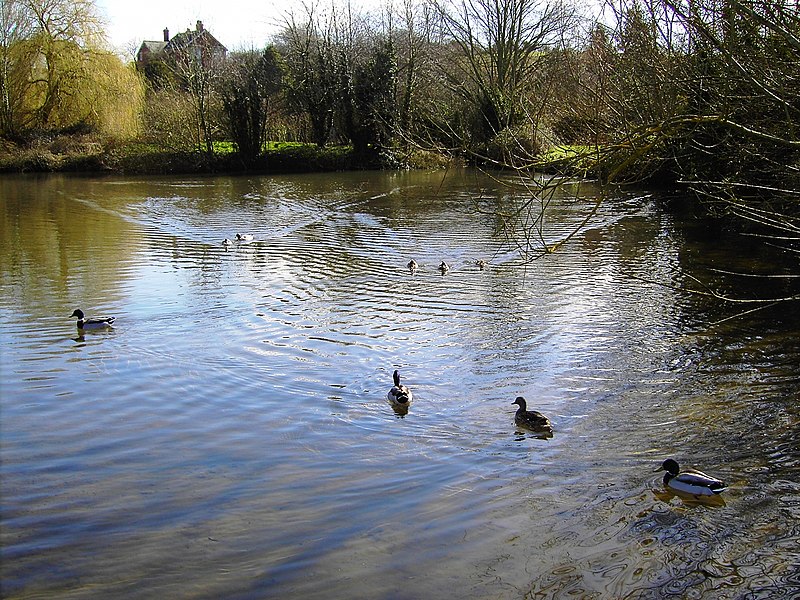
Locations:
column 237, row 24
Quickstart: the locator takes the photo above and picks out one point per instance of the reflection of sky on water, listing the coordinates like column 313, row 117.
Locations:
column 234, row 425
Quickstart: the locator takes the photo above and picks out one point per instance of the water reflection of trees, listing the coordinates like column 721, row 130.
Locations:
column 61, row 247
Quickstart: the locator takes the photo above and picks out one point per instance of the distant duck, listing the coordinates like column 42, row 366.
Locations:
column 244, row 237
column 690, row 481
column 399, row 396
column 412, row 265
column 226, row 242
column 92, row 323
column 481, row 263
column 531, row 419
column 444, row 267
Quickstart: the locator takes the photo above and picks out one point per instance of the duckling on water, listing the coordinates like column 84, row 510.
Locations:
column 92, row 323
column 399, row 396
column 690, row 481
column 531, row 419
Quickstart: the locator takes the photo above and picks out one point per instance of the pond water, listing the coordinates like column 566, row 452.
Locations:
column 230, row 437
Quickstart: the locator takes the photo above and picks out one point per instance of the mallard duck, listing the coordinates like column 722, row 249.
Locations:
column 399, row 396
column 690, row 481
column 412, row 265
column 244, row 237
column 444, row 267
column 531, row 419
column 226, row 242
column 92, row 323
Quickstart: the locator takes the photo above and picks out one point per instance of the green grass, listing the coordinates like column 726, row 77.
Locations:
column 144, row 157
column 576, row 159
column 224, row 147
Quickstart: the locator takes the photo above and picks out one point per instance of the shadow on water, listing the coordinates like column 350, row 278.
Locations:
column 232, row 436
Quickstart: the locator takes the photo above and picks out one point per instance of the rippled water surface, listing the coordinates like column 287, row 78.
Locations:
column 231, row 437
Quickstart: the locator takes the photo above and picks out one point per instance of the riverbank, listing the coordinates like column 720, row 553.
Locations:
column 86, row 154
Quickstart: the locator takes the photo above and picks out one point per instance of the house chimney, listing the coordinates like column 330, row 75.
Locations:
column 199, row 26
column 166, row 34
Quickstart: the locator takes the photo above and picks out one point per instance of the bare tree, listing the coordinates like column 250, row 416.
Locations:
column 197, row 68
column 250, row 81
column 413, row 33
column 501, row 48
column 704, row 94
column 309, row 49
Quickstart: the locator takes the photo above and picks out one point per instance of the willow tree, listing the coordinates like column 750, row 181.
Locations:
column 113, row 98
column 56, row 74
column 14, row 29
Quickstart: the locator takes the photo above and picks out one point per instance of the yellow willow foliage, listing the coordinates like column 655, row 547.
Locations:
column 118, row 97
column 17, row 61
column 70, row 86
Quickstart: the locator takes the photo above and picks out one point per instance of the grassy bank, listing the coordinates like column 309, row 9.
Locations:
column 86, row 154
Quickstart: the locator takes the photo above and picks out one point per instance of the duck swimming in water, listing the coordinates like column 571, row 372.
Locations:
column 92, row 323
column 412, row 265
column 444, row 267
column 399, row 396
column 531, row 419
column 244, row 237
column 690, row 481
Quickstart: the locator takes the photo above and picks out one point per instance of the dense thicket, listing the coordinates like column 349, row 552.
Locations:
column 707, row 90
column 705, row 95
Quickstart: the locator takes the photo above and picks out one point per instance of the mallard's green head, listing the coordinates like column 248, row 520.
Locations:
column 670, row 466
